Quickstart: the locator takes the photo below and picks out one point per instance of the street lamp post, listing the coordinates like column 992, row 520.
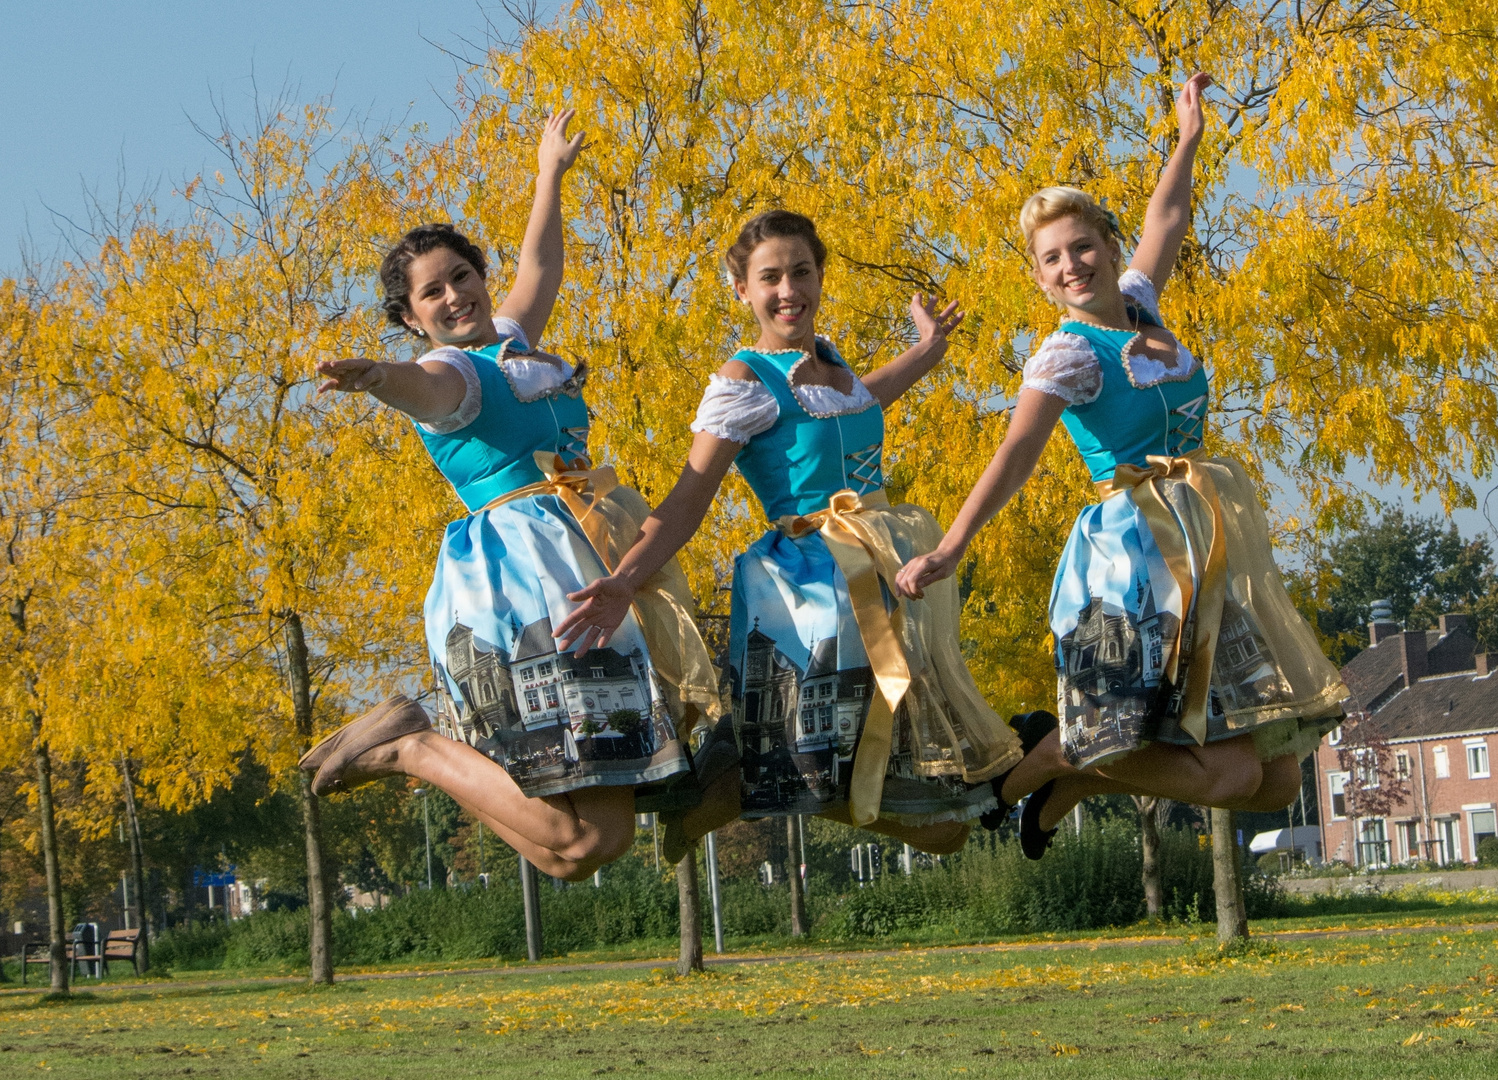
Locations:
column 426, row 821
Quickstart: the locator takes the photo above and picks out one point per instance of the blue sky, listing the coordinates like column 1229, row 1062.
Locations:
column 101, row 96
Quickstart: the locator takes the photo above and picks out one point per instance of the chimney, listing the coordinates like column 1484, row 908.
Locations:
column 1412, row 656
column 1483, row 661
column 1383, row 624
column 1452, row 623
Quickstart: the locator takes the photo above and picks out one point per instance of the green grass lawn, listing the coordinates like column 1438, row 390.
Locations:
column 1396, row 1004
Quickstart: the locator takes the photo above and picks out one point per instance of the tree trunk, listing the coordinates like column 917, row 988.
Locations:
column 1150, row 811
column 320, row 922
column 1227, row 879
column 691, row 914
column 59, row 949
column 793, row 874
column 137, row 872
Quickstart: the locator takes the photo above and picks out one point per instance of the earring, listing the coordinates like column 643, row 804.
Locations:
column 420, row 333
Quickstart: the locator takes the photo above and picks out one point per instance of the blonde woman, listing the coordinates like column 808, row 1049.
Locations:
column 1183, row 669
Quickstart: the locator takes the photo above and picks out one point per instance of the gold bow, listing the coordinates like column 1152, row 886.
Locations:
column 571, row 485
column 1201, row 604
column 861, row 545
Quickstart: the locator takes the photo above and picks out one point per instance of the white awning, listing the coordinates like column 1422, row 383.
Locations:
column 1302, row 837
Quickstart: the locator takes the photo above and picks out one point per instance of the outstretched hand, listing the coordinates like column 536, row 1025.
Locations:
column 352, row 376
column 925, row 570
column 557, row 152
column 933, row 325
column 1189, row 107
column 602, row 606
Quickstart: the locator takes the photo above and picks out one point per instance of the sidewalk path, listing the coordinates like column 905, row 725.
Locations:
column 518, row 969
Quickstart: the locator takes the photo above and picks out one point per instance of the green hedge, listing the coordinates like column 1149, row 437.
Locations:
column 1084, row 882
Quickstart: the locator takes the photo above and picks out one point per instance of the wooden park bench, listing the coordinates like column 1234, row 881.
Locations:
column 121, row 945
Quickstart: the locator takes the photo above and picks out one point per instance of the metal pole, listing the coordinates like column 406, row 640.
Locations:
column 712, row 890
column 655, row 834
column 482, row 873
column 801, row 839
column 426, row 821
column 905, row 857
column 532, row 898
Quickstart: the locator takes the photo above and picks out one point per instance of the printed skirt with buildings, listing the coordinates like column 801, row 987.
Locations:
column 617, row 716
column 801, row 685
column 1118, row 617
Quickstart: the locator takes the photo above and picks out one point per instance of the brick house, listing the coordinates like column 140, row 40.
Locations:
column 1435, row 701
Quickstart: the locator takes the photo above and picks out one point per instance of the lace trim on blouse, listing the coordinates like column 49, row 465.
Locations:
column 825, row 401
column 736, row 409
column 530, row 379
column 1140, row 289
column 1065, row 367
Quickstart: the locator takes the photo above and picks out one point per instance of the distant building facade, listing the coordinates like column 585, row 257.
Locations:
column 1434, row 699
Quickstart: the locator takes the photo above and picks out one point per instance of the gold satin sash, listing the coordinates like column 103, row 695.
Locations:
column 861, row 545
column 570, row 485
column 677, row 651
column 1201, row 607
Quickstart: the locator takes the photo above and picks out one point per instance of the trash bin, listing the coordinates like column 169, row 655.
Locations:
column 86, row 948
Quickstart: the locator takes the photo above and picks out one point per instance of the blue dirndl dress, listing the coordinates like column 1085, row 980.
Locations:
column 1170, row 618
column 555, row 722
column 801, row 680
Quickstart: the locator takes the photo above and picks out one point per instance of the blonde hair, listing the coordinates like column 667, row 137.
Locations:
column 1054, row 203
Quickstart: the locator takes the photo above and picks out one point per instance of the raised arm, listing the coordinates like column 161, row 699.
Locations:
column 606, row 601
column 539, row 274
column 1168, row 217
column 1035, row 416
column 888, row 382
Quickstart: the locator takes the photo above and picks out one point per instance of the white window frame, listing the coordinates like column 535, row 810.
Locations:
column 1440, row 760
column 1477, row 808
column 1402, row 764
column 1334, row 737
column 1477, row 748
column 1336, row 784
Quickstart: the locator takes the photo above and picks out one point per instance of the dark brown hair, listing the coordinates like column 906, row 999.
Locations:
column 770, row 224
column 395, row 276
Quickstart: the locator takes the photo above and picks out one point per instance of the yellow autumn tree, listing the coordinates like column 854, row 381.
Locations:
column 1336, row 280
column 250, row 589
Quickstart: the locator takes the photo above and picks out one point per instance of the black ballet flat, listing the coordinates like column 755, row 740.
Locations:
column 1032, row 728
column 1033, row 840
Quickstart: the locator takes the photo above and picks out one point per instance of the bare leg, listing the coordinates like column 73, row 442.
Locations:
column 567, row 836
column 1221, row 774
column 944, row 838
column 1280, row 786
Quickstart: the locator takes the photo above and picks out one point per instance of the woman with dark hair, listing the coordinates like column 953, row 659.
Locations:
column 847, row 702
column 555, row 753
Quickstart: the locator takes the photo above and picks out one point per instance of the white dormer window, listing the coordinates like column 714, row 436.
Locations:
column 1442, row 762
column 1477, row 759
column 1335, row 737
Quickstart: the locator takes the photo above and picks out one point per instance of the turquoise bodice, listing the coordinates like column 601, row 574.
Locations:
column 1126, row 424
column 496, row 453
column 803, row 460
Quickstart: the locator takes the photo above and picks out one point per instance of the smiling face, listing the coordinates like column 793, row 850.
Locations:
column 1076, row 267
column 449, row 301
column 783, row 285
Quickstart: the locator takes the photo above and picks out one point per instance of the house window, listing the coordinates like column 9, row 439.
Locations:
column 597, row 672
column 1409, row 839
column 527, row 673
column 824, row 714
column 1336, row 782
column 1442, row 762
column 1448, row 842
column 858, row 690
column 825, row 690
column 1477, row 760
column 533, row 701
column 552, row 701
column 1484, row 825
column 1402, row 765
column 1335, row 738
column 486, row 692
column 568, row 674
column 543, row 669
column 1367, row 761
column 1373, row 850
column 808, row 721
